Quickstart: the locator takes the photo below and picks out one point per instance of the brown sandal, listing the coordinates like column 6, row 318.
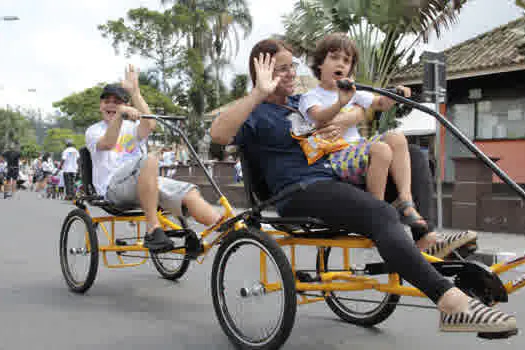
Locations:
column 412, row 219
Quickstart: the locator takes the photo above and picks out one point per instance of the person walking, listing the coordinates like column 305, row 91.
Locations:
column 69, row 166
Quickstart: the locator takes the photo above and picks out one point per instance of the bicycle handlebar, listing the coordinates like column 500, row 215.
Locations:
column 125, row 116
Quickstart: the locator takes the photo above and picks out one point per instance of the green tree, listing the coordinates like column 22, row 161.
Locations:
column 215, row 35
column 14, row 127
column 385, row 31
column 152, row 34
column 239, row 86
column 30, row 150
column 227, row 17
column 55, row 140
column 83, row 108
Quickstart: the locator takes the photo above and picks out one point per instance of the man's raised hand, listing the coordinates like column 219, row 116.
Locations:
column 131, row 80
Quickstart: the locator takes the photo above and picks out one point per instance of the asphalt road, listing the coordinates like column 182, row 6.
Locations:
column 134, row 308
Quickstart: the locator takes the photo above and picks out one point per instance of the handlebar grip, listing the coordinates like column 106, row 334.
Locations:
column 345, row 85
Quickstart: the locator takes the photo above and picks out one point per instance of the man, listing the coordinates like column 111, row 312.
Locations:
column 69, row 167
column 12, row 157
column 124, row 174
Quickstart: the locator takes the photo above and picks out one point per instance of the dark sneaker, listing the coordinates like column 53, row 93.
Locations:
column 478, row 318
column 445, row 245
column 157, row 241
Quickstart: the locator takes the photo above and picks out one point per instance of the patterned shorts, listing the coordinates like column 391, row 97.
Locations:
column 351, row 163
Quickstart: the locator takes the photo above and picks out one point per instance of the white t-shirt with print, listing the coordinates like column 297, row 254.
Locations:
column 70, row 156
column 48, row 166
column 106, row 162
column 325, row 98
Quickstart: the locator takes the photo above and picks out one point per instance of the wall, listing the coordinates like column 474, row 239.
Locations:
column 511, row 154
column 497, row 86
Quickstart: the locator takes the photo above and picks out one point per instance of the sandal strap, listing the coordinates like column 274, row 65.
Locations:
column 413, row 217
column 402, row 205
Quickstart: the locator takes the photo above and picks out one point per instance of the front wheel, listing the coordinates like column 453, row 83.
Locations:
column 253, row 290
column 78, row 251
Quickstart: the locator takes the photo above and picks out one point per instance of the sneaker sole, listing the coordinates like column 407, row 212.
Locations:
column 498, row 335
column 509, row 326
column 457, row 244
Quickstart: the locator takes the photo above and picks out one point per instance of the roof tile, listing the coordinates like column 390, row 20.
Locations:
column 499, row 48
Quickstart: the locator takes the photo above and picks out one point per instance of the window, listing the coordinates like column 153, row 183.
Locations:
column 500, row 119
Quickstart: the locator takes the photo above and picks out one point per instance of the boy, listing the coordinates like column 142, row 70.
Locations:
column 124, row 174
column 364, row 161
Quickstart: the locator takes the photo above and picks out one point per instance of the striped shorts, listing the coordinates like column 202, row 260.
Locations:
column 351, row 163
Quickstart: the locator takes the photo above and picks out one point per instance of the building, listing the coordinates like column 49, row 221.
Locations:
column 485, row 96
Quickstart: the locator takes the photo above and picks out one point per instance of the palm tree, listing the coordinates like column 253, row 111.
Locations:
column 215, row 33
column 385, row 31
column 227, row 17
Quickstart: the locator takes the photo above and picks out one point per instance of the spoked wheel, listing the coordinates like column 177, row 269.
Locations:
column 363, row 308
column 253, row 290
column 170, row 265
column 78, row 251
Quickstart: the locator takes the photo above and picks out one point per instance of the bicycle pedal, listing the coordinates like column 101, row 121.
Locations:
column 305, row 277
column 194, row 246
column 121, row 242
column 464, row 251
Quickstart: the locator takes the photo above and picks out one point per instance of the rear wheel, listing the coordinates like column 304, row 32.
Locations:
column 170, row 265
column 78, row 251
column 363, row 308
column 255, row 304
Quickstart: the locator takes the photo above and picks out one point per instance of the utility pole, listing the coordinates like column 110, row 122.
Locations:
column 435, row 90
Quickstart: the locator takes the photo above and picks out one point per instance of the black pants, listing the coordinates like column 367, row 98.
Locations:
column 69, row 179
column 344, row 206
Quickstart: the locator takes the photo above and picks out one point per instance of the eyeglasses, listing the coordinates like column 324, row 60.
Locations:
column 286, row 68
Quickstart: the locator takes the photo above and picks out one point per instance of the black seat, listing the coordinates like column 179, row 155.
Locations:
column 91, row 196
column 260, row 198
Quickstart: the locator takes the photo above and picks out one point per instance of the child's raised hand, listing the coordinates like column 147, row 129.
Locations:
column 264, row 67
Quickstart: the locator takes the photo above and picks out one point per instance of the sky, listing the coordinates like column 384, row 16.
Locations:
column 55, row 49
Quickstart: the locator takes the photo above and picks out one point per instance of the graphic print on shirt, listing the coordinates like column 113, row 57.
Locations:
column 126, row 146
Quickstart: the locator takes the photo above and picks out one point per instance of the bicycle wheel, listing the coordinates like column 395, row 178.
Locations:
column 170, row 265
column 257, row 310
column 78, row 244
column 363, row 308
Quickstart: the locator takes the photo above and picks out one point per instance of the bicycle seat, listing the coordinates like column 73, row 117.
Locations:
column 92, row 198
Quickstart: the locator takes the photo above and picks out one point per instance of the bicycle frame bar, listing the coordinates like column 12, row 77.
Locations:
column 454, row 130
column 175, row 130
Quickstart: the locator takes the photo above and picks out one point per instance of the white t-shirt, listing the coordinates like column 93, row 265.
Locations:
column 61, row 178
column 168, row 158
column 325, row 98
column 48, row 166
column 106, row 162
column 70, row 156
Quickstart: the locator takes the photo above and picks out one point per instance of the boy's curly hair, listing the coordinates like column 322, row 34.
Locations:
column 333, row 43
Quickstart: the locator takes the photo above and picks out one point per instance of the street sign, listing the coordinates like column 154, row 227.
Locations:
column 434, row 76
